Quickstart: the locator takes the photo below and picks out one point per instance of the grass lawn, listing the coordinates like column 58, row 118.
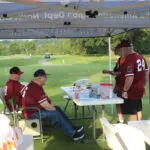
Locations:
column 64, row 71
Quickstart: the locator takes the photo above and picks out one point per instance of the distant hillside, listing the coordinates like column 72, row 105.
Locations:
column 48, row 41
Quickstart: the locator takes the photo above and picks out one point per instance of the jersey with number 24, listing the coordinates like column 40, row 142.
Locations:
column 134, row 65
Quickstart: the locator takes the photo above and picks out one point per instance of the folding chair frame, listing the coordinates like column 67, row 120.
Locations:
column 15, row 113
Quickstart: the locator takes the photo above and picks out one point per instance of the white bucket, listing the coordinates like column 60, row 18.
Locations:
column 106, row 90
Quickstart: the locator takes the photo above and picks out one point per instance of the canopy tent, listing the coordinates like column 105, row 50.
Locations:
column 23, row 19
column 38, row 19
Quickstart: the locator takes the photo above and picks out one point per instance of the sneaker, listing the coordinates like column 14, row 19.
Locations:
column 78, row 128
column 78, row 136
column 120, row 122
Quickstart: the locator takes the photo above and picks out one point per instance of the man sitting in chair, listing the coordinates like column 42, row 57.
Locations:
column 35, row 96
column 14, row 88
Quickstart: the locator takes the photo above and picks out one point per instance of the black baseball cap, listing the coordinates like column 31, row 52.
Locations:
column 40, row 73
column 15, row 70
column 125, row 43
column 118, row 46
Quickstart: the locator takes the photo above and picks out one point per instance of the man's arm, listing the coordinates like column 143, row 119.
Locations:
column 146, row 77
column 146, row 73
column 111, row 73
column 129, row 71
column 108, row 72
column 22, row 89
column 127, row 85
column 47, row 106
column 146, row 81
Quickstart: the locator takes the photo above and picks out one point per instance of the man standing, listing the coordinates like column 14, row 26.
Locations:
column 132, row 81
column 34, row 96
column 116, row 72
column 13, row 88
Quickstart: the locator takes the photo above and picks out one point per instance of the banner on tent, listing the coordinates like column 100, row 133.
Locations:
column 56, row 32
column 60, row 15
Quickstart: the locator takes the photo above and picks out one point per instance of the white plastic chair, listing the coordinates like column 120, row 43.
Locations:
column 30, row 123
column 2, row 98
column 111, row 135
column 122, row 136
column 143, row 126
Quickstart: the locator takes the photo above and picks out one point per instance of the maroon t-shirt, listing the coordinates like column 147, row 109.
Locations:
column 134, row 65
column 13, row 89
column 33, row 96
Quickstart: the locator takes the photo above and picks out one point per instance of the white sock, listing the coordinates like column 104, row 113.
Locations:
column 121, row 121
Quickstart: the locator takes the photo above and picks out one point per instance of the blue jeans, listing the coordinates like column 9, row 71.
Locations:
column 57, row 117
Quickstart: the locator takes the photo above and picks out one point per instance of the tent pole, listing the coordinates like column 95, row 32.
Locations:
column 110, row 66
column 110, row 58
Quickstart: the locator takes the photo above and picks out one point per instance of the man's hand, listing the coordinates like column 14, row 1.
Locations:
column 105, row 71
column 144, row 92
column 125, row 95
column 108, row 72
column 53, row 108
column 46, row 105
column 127, row 85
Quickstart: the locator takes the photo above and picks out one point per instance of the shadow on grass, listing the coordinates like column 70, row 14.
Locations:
column 60, row 142
column 56, row 140
column 147, row 147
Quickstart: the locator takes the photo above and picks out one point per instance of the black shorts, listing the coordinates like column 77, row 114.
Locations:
column 131, row 107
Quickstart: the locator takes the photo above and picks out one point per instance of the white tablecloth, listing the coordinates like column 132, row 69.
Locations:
column 144, row 126
column 91, row 101
column 27, row 144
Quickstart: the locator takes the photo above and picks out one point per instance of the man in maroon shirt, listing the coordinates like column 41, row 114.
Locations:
column 13, row 88
column 116, row 73
column 34, row 96
column 132, row 81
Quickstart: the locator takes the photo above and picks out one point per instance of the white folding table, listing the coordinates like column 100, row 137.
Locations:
column 92, row 102
column 144, row 126
column 27, row 143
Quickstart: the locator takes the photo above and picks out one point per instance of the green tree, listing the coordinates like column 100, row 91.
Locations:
column 77, row 46
column 29, row 47
column 14, row 48
column 3, row 49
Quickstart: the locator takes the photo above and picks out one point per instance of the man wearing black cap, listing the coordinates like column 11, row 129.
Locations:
column 34, row 96
column 132, row 81
column 116, row 72
column 14, row 88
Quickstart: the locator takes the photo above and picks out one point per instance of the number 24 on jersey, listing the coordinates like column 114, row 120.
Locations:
column 140, row 65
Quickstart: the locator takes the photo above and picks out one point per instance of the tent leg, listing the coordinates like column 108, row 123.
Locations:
column 110, row 66
column 110, row 58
